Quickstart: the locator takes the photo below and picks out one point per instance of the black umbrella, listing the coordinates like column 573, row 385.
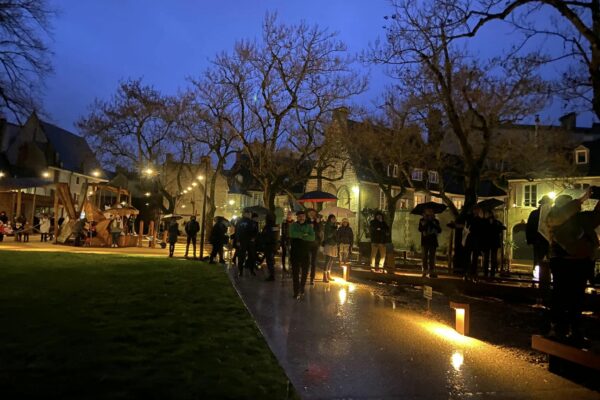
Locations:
column 259, row 210
column 490, row 204
column 316, row 196
column 436, row 207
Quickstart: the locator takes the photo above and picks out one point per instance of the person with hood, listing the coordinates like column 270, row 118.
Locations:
column 192, row 227
column 534, row 238
column 380, row 233
column 573, row 247
column 429, row 226
column 330, row 246
column 218, row 239
column 173, row 235
column 302, row 236
column 345, row 239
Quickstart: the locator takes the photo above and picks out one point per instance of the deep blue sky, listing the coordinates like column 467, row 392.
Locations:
column 98, row 42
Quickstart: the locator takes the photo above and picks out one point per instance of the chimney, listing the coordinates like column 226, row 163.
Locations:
column 340, row 117
column 569, row 121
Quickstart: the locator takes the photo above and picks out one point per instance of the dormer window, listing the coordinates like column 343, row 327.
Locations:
column 433, row 177
column 392, row 170
column 581, row 156
column 417, row 174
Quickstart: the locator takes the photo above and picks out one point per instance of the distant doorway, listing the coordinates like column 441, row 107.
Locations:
column 521, row 251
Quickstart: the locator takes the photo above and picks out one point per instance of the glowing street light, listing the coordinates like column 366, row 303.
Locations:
column 46, row 174
column 96, row 173
column 462, row 317
column 1, row 174
column 185, row 192
column 231, row 202
column 355, row 189
column 552, row 195
column 147, row 194
column 194, row 184
column 149, row 171
column 200, row 177
column 189, row 188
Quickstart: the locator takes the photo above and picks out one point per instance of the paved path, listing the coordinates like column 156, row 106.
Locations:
column 345, row 341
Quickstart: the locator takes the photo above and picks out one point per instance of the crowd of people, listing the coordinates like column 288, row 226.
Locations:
column 22, row 228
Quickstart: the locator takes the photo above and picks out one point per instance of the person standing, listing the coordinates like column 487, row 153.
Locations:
column 115, row 231
column 269, row 244
column 218, row 239
column 44, row 228
column 246, row 232
column 3, row 225
column 473, row 242
column 429, row 226
column 173, row 232
column 534, row 238
column 285, row 239
column 492, row 242
column 302, row 236
column 192, row 227
column 315, row 220
column 379, row 232
column 345, row 239
column 330, row 246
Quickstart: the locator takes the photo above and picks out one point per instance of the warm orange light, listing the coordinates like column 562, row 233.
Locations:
column 449, row 334
column 342, row 296
column 462, row 317
column 345, row 272
column 457, row 360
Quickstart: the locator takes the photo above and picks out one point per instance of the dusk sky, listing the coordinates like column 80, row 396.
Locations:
column 98, row 43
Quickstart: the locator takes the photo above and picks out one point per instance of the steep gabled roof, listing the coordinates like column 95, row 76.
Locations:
column 74, row 153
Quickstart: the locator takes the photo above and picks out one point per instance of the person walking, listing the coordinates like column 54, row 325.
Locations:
column 429, row 226
column 44, row 228
column 380, row 233
column 315, row 220
column 246, row 232
column 269, row 244
column 4, row 228
column 173, row 235
column 285, row 239
column 345, row 239
column 492, row 242
column 330, row 246
column 573, row 247
column 302, row 236
column 534, row 238
column 218, row 239
column 192, row 227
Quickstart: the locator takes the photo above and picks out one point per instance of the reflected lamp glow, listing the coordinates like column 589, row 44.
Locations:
column 449, row 334
column 462, row 311
column 457, row 360
column 342, row 294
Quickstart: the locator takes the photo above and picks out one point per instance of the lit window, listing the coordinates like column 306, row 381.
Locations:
column 530, row 195
column 433, row 177
column 395, row 172
column 458, row 202
column 417, row 174
column 581, row 156
column 382, row 200
column 419, row 199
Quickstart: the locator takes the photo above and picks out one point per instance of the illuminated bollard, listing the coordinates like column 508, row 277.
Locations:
column 462, row 317
column 345, row 272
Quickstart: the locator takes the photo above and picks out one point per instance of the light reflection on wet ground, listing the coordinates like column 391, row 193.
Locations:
column 347, row 341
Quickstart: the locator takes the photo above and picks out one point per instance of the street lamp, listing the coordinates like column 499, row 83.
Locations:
column 148, row 171
column 45, row 174
column 147, row 194
column 95, row 173
column 231, row 202
column 194, row 184
column 1, row 174
column 200, row 177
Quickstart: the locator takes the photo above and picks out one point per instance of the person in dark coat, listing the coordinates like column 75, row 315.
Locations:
column 173, row 231
column 285, row 239
column 315, row 220
column 474, row 242
column 246, row 232
column 345, row 239
column 269, row 244
column 330, row 246
column 192, row 227
column 534, row 238
column 3, row 224
column 380, row 234
column 429, row 226
column 492, row 242
column 218, row 239
column 572, row 256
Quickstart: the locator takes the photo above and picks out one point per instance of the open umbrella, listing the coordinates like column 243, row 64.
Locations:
column 490, row 204
column 260, row 210
column 316, row 196
column 339, row 212
column 436, row 207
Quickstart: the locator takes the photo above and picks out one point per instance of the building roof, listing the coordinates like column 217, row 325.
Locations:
column 74, row 153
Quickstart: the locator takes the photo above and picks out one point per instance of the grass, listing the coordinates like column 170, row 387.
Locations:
column 103, row 326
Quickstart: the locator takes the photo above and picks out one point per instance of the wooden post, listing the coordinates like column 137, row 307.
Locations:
column 55, row 216
column 450, row 250
column 151, row 234
column 19, row 199
column 33, row 208
column 141, row 234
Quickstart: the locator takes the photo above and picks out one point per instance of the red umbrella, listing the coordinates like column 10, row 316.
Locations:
column 316, row 196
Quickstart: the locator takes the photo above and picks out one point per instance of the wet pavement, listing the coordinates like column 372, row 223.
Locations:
column 344, row 341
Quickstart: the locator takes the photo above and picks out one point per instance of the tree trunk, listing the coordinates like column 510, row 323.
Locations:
column 594, row 67
column 269, row 197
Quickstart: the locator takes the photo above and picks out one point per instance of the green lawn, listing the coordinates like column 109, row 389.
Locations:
column 99, row 326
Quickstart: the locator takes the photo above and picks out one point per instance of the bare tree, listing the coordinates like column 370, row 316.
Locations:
column 574, row 23
column 24, row 55
column 136, row 129
column 285, row 88
column 474, row 97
